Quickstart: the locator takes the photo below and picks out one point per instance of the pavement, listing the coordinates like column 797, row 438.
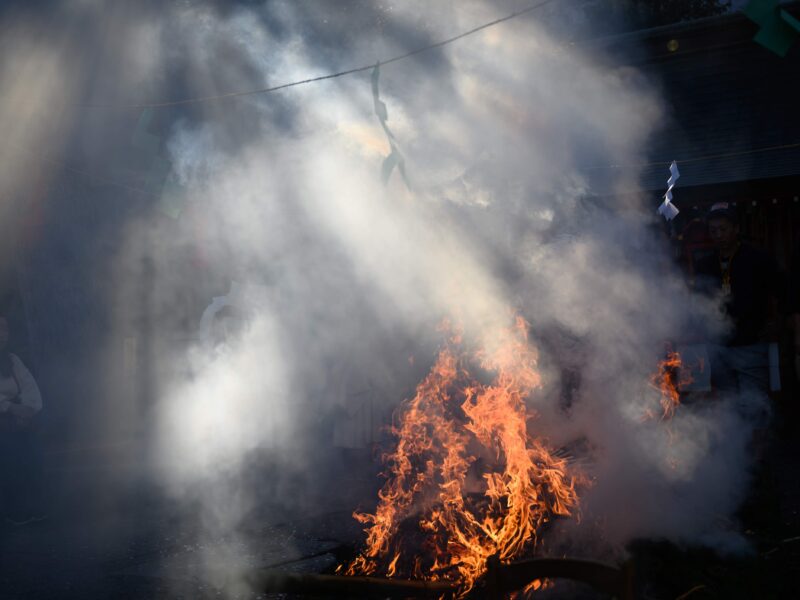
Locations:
column 122, row 537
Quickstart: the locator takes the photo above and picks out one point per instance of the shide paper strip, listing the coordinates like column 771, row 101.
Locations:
column 667, row 209
column 395, row 158
column 160, row 178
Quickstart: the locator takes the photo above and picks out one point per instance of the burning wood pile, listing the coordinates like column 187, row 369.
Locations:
column 471, row 486
column 467, row 481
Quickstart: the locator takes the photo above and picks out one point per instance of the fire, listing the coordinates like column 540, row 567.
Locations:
column 466, row 480
column 536, row 584
column 668, row 379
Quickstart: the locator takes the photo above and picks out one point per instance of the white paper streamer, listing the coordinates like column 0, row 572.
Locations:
column 395, row 158
column 667, row 208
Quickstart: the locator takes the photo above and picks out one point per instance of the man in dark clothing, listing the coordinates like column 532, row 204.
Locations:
column 747, row 281
column 746, row 276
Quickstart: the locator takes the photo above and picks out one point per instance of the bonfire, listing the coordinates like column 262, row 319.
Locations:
column 467, row 481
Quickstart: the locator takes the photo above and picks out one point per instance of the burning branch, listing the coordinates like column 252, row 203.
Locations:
column 669, row 379
column 452, row 417
column 498, row 582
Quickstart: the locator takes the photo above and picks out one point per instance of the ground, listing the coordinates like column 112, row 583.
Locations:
column 135, row 546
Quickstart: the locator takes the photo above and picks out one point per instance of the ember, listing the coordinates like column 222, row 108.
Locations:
column 453, row 420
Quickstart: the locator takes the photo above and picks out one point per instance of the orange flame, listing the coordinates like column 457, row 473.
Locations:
column 528, row 590
column 669, row 379
column 452, row 418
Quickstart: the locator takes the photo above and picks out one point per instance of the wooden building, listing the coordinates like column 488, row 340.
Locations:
column 733, row 123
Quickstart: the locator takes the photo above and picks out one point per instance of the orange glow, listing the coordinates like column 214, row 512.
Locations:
column 466, row 480
column 668, row 379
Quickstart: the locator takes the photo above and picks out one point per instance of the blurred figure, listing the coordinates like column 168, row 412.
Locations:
column 748, row 283
column 20, row 461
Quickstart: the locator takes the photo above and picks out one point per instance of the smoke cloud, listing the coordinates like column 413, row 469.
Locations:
column 339, row 279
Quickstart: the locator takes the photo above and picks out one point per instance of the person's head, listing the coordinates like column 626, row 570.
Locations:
column 722, row 226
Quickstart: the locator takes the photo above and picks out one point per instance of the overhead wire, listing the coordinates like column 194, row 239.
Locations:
column 661, row 163
column 283, row 86
column 439, row 44
column 227, row 95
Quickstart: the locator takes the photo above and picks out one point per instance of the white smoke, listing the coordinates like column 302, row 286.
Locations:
column 504, row 133
column 498, row 141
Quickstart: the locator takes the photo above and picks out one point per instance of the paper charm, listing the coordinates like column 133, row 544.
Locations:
column 667, row 209
column 395, row 158
column 159, row 178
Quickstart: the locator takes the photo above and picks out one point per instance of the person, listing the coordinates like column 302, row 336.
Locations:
column 747, row 282
column 20, row 403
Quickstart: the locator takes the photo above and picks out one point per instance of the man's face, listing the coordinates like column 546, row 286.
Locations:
column 722, row 232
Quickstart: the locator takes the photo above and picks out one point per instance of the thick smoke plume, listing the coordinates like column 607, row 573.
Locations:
column 341, row 278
